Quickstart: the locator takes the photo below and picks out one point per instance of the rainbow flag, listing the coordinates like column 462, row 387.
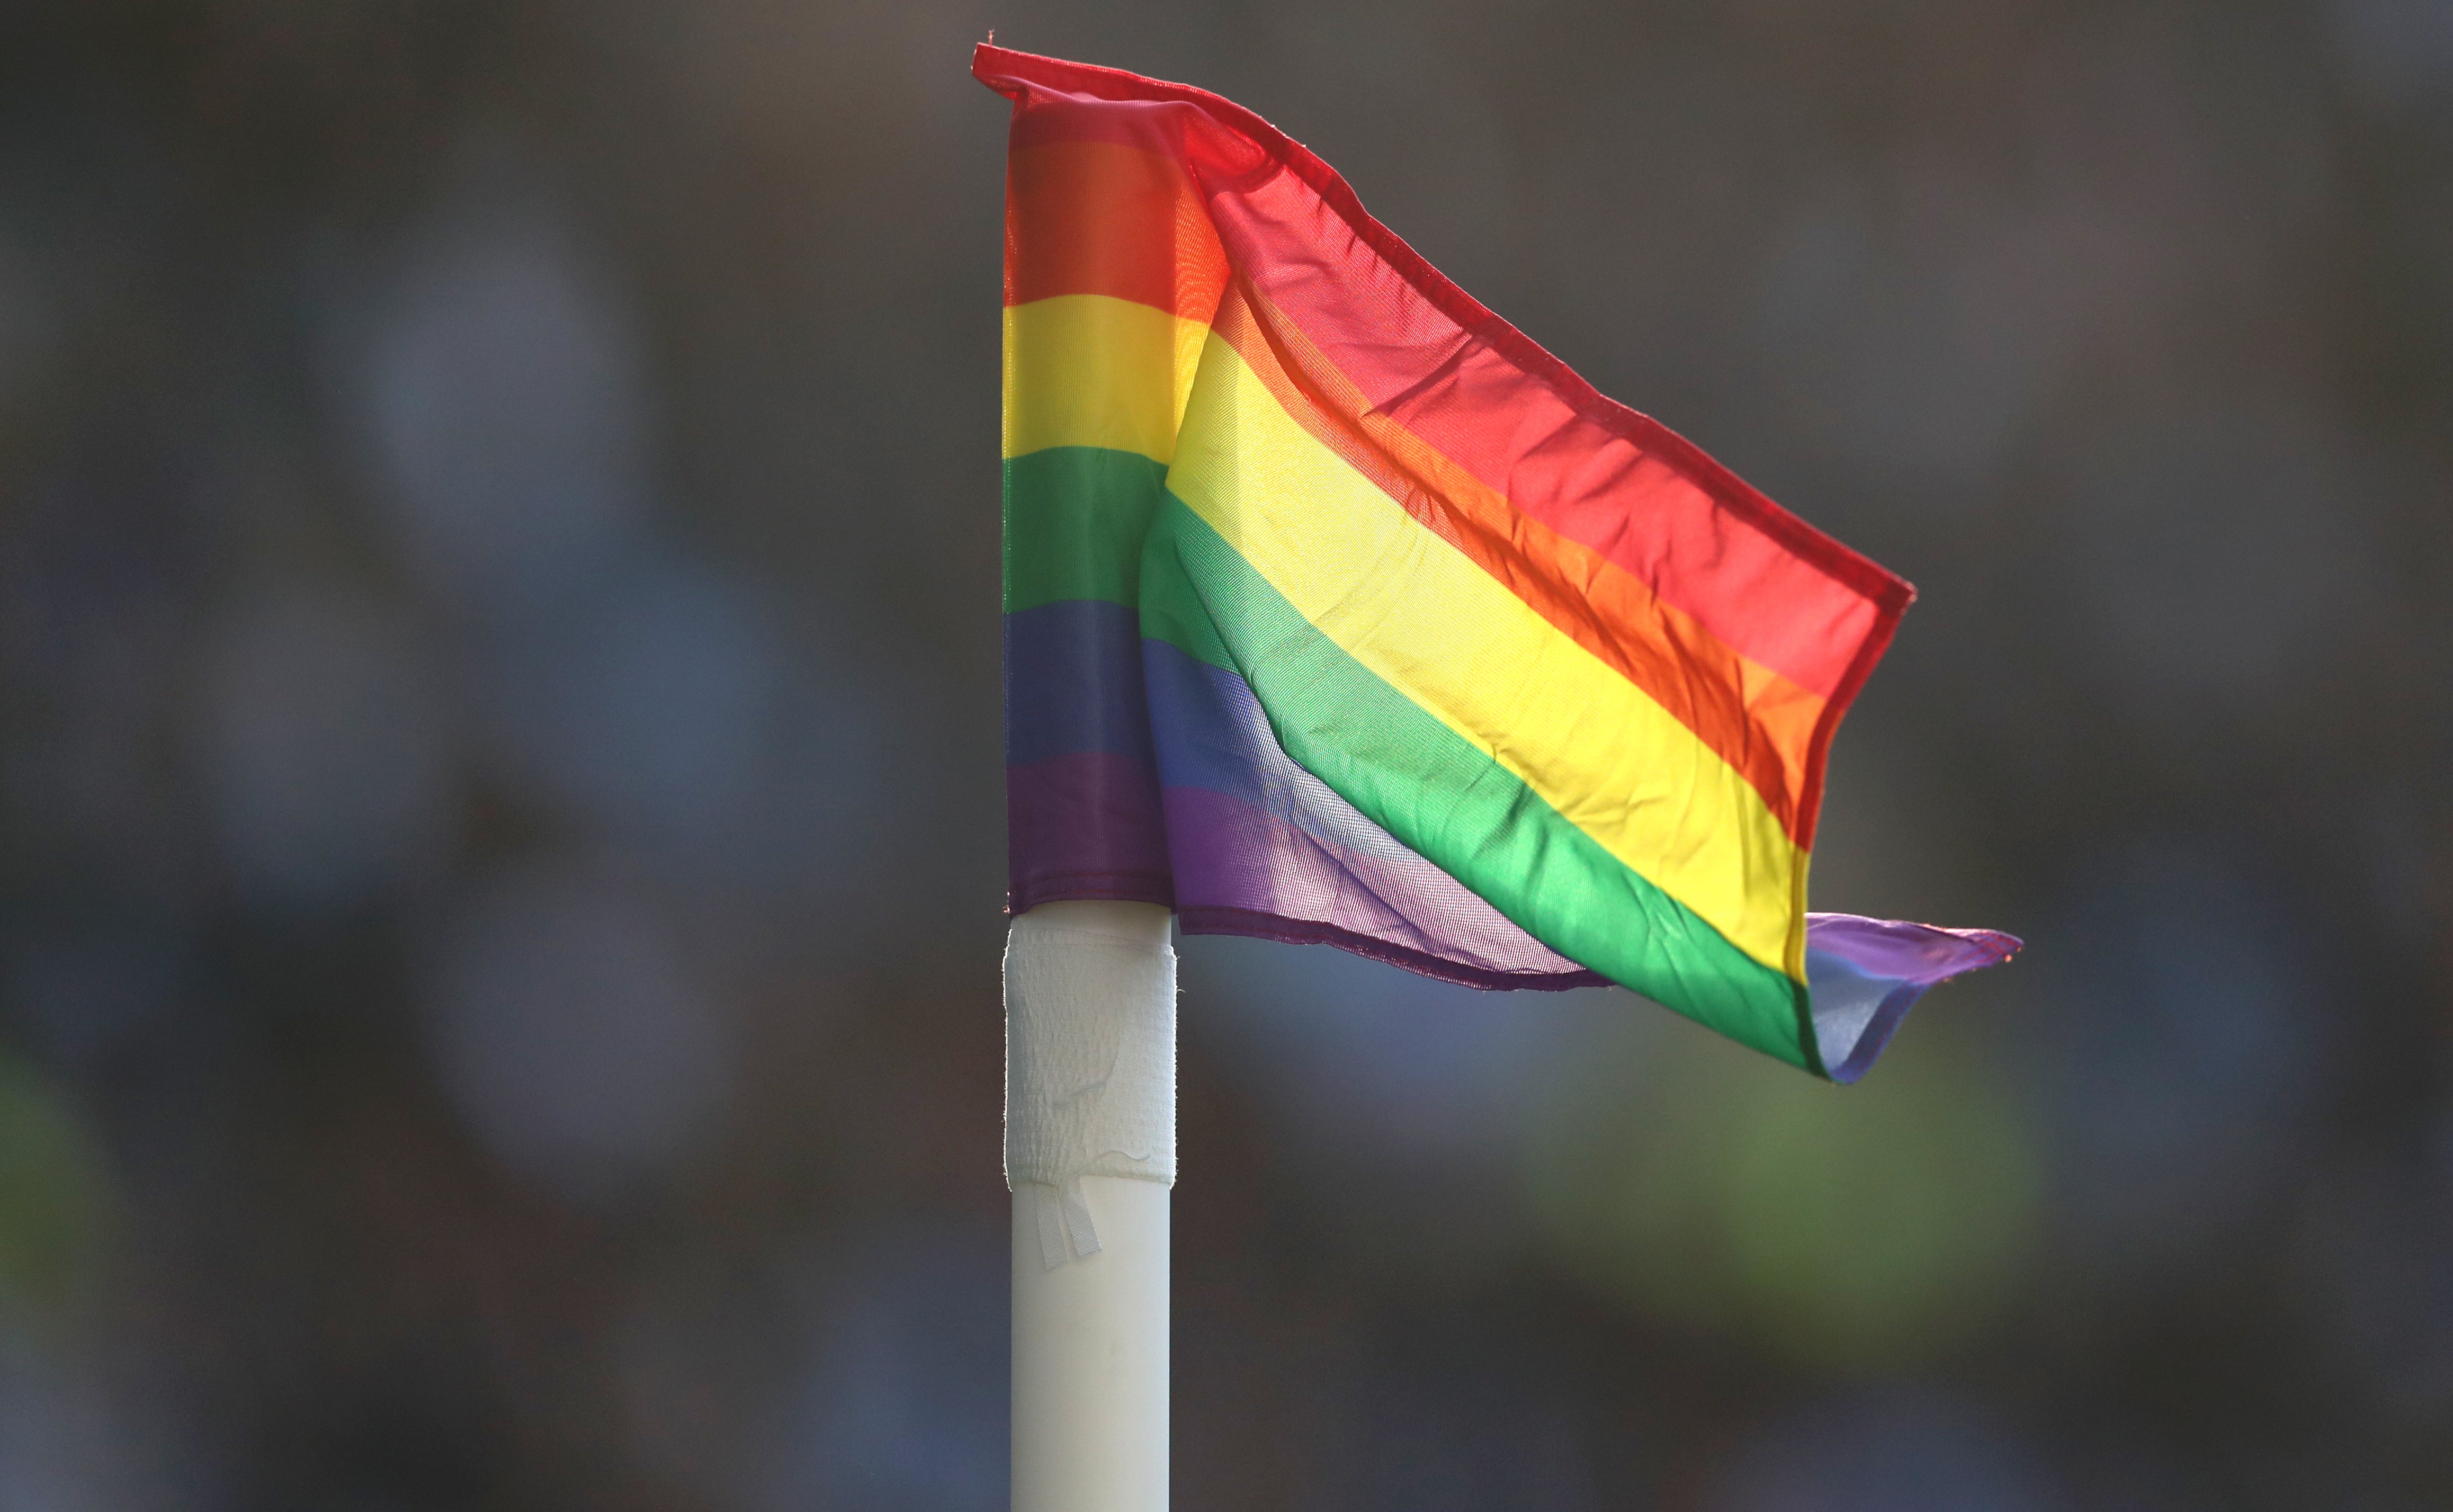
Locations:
column 1337, row 610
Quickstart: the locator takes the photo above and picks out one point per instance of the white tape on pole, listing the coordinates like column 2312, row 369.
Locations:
column 1090, row 994
column 1091, row 1156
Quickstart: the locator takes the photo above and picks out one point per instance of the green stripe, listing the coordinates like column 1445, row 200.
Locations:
column 1075, row 518
column 1447, row 800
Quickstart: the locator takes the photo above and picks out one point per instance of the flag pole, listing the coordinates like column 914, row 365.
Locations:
column 1090, row 1157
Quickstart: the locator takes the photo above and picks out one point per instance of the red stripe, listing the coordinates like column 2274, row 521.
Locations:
column 1761, row 581
column 1103, row 217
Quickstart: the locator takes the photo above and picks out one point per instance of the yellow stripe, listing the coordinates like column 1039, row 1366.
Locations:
column 1090, row 370
column 1446, row 634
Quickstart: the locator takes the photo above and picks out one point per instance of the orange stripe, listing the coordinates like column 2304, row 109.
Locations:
column 1758, row 721
column 1103, row 218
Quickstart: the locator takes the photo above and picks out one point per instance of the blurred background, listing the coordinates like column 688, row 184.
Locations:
column 500, row 835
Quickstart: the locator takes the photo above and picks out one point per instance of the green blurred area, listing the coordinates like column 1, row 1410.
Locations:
column 1855, row 1230
column 55, row 1206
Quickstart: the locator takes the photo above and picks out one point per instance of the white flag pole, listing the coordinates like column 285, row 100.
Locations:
column 1091, row 1156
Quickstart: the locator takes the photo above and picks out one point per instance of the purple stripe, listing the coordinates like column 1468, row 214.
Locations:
column 1267, row 877
column 1085, row 825
column 1298, row 931
column 1866, row 973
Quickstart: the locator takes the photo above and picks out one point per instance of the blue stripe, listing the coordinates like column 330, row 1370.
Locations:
column 1073, row 682
column 1213, row 733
